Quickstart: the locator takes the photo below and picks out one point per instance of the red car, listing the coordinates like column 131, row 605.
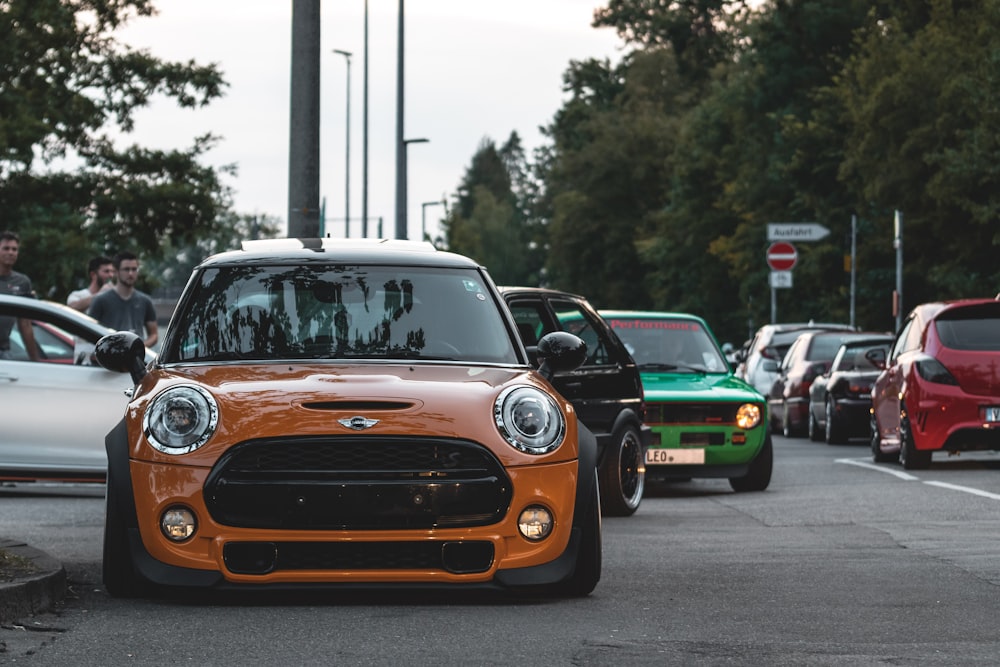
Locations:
column 939, row 390
column 809, row 357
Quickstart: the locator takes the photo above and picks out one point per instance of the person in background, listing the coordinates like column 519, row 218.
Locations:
column 101, row 271
column 15, row 284
column 125, row 308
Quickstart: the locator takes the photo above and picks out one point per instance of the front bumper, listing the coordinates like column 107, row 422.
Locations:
column 226, row 556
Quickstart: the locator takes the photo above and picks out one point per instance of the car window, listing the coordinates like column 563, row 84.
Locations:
column 908, row 339
column 528, row 316
column 980, row 331
column 577, row 321
column 330, row 311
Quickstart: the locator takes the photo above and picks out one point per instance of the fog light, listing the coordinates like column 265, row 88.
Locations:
column 535, row 523
column 178, row 524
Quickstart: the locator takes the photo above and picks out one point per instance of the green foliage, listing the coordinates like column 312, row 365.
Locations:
column 67, row 89
column 662, row 171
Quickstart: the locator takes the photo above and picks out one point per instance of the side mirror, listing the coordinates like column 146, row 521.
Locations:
column 122, row 352
column 877, row 358
column 560, row 352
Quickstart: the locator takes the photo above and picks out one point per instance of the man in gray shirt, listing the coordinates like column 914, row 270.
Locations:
column 125, row 308
column 15, row 284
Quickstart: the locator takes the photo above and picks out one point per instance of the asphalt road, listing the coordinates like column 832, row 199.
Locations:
column 839, row 562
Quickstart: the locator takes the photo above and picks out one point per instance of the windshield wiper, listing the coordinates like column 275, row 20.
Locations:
column 659, row 366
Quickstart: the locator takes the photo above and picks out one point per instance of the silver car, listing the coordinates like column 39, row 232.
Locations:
column 56, row 411
column 760, row 357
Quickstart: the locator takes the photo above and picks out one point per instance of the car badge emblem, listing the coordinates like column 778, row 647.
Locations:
column 358, row 423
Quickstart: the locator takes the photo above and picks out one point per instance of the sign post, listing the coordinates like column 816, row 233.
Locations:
column 781, row 257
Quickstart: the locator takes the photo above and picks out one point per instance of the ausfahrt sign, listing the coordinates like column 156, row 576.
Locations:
column 781, row 256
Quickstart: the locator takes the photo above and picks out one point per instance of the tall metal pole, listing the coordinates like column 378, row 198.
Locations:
column 423, row 217
column 303, row 140
column 347, row 149
column 400, row 144
column 897, row 243
column 364, row 141
column 854, row 272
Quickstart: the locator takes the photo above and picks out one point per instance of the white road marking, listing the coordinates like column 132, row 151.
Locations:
column 912, row 478
column 871, row 466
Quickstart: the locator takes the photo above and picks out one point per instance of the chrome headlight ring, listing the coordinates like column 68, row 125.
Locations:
column 529, row 420
column 180, row 419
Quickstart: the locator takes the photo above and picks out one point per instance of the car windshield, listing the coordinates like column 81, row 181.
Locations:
column 338, row 312
column 670, row 344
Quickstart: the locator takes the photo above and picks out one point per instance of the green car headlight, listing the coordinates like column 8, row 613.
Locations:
column 181, row 419
column 748, row 415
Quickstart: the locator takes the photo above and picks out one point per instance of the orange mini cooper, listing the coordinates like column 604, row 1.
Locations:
column 356, row 413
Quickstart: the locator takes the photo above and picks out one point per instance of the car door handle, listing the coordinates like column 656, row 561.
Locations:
column 8, row 378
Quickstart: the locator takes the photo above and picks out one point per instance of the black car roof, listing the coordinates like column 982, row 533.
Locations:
column 292, row 251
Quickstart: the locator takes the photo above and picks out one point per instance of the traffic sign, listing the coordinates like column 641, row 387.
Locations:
column 796, row 231
column 781, row 256
column 781, row 279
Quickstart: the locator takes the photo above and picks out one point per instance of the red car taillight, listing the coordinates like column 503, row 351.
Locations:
column 933, row 370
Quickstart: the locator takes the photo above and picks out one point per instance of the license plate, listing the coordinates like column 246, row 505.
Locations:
column 675, row 456
column 993, row 414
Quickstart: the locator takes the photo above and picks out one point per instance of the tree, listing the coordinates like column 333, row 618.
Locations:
column 490, row 219
column 67, row 87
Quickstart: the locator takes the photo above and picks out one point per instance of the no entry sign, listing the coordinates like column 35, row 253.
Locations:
column 781, row 256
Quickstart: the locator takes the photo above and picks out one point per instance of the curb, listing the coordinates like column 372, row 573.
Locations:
column 34, row 592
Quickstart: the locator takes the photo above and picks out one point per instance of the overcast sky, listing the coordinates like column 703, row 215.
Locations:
column 473, row 69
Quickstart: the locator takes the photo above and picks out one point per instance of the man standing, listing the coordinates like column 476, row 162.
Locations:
column 101, row 270
column 125, row 308
column 15, row 284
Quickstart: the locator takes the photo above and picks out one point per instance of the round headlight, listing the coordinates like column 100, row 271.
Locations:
column 529, row 420
column 181, row 419
column 748, row 415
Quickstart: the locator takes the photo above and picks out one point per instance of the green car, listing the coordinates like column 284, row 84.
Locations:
column 705, row 421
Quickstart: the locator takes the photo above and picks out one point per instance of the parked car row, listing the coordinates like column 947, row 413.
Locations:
column 933, row 386
column 369, row 412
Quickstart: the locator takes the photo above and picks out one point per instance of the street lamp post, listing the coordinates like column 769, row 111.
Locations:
column 401, row 221
column 423, row 217
column 400, row 142
column 347, row 149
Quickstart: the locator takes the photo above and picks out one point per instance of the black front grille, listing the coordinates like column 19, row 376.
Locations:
column 357, row 483
column 265, row 557
column 691, row 413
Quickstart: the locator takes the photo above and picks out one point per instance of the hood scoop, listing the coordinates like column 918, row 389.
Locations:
column 358, row 406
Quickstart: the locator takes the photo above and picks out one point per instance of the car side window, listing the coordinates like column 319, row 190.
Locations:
column 908, row 338
column 575, row 320
column 529, row 320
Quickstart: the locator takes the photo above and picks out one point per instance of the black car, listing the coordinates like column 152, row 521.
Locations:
column 840, row 399
column 606, row 390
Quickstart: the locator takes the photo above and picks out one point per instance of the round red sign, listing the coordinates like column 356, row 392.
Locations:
column 781, row 256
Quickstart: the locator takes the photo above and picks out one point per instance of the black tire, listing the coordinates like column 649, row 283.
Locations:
column 622, row 473
column 910, row 457
column 834, row 429
column 878, row 456
column 587, row 572
column 758, row 477
column 120, row 577
column 814, row 433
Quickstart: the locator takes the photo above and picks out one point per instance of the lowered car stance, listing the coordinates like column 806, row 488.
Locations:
column 939, row 390
column 606, row 389
column 348, row 413
column 705, row 421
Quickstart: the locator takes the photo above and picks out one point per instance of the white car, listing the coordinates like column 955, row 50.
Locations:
column 56, row 411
